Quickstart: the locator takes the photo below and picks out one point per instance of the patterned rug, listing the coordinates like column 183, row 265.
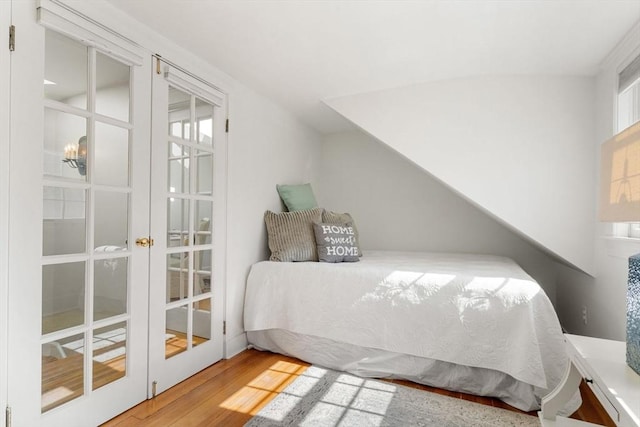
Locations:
column 322, row 397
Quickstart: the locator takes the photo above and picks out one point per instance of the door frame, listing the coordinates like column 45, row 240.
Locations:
column 24, row 277
column 5, row 122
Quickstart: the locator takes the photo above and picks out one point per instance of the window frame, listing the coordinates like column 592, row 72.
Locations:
column 630, row 95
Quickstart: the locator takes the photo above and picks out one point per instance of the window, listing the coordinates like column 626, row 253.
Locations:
column 628, row 114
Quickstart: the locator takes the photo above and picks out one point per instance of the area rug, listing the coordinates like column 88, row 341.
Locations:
column 323, row 397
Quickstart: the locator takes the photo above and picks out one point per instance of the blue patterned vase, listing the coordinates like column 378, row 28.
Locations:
column 633, row 314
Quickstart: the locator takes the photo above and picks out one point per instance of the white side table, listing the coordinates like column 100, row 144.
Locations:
column 602, row 363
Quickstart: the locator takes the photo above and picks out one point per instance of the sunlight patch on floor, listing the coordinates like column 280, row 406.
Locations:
column 260, row 390
column 325, row 398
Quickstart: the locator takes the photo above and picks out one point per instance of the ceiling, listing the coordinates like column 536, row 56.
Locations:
column 299, row 52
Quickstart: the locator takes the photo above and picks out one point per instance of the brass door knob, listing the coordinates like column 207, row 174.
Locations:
column 145, row 242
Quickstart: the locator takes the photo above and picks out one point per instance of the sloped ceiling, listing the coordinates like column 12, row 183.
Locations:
column 298, row 53
column 521, row 148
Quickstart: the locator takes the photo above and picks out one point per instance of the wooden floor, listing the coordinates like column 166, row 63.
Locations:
column 230, row 392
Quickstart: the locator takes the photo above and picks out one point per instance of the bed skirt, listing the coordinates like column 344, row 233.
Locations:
column 376, row 363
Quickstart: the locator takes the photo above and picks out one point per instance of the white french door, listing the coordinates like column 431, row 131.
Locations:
column 115, row 221
column 187, row 222
column 79, row 201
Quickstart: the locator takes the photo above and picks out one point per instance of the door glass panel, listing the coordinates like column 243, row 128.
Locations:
column 179, row 113
column 63, row 290
column 176, row 331
column 112, row 87
column 204, row 122
column 111, row 155
column 110, row 287
column 65, row 145
column 202, row 272
column 64, row 223
column 178, row 168
column 204, row 172
column 177, row 276
column 175, row 129
column 178, row 222
column 201, row 321
column 186, row 129
column 62, row 371
column 180, row 129
column 111, row 221
column 203, row 211
column 88, row 199
column 109, row 354
column 65, row 70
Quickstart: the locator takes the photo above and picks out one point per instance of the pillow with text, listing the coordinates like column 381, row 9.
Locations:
column 336, row 242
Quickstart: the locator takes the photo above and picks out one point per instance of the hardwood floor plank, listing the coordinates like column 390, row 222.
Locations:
column 232, row 391
column 151, row 406
column 247, row 400
column 197, row 401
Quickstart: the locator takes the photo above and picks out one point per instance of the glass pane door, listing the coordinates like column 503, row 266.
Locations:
column 85, row 227
column 79, row 198
column 183, row 327
column 88, row 266
column 189, row 206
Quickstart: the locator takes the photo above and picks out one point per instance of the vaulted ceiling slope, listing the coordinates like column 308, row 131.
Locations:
column 300, row 52
column 521, row 148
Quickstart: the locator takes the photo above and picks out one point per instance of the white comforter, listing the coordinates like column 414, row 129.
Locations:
column 478, row 311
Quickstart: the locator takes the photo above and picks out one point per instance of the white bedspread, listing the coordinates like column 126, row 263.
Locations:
column 473, row 310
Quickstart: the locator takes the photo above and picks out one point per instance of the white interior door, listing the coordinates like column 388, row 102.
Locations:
column 79, row 199
column 188, row 225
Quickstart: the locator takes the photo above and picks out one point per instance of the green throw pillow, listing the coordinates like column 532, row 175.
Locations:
column 297, row 197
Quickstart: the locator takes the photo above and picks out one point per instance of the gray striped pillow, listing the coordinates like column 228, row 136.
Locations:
column 291, row 236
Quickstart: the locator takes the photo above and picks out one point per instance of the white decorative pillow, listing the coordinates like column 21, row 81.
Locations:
column 336, row 242
column 290, row 234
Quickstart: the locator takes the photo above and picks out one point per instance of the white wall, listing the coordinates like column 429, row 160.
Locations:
column 519, row 147
column 605, row 295
column 398, row 206
column 267, row 147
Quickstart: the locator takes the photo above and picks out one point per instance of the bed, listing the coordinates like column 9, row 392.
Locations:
column 470, row 323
